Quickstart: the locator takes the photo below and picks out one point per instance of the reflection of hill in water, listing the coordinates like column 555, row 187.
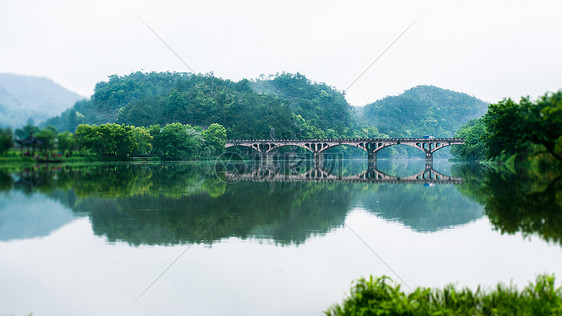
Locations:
column 187, row 203
column 30, row 216
column 423, row 209
column 287, row 216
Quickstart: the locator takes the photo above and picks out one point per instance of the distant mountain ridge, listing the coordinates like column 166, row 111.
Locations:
column 422, row 110
column 23, row 97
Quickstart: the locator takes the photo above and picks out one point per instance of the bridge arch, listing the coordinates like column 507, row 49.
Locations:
column 328, row 146
column 276, row 147
column 241, row 145
column 426, row 147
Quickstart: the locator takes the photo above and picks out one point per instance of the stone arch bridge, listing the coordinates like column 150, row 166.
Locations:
column 370, row 145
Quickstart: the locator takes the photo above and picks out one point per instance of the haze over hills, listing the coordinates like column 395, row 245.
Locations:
column 23, row 97
column 422, row 110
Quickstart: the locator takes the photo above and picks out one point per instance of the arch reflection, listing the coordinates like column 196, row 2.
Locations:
column 326, row 170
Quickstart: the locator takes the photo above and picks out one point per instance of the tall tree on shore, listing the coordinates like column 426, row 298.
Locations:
column 6, row 139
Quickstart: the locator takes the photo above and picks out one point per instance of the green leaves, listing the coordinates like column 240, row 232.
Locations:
column 66, row 142
column 177, row 142
column 6, row 139
column 108, row 140
column 505, row 128
column 526, row 129
column 378, row 296
column 215, row 139
column 474, row 148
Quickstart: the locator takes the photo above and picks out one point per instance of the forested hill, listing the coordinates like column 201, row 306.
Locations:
column 317, row 103
column 23, row 97
column 291, row 105
column 422, row 110
column 282, row 106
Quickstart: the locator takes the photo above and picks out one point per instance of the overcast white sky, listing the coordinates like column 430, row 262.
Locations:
column 489, row 49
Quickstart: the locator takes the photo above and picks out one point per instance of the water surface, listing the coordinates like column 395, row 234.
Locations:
column 183, row 238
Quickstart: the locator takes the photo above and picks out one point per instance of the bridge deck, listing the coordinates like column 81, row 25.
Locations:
column 371, row 145
column 320, row 140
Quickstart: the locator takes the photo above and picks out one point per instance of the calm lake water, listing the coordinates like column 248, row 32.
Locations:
column 206, row 239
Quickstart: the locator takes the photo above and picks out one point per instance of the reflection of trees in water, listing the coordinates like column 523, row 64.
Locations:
column 516, row 202
column 188, row 203
column 6, row 181
column 246, row 210
column 119, row 180
column 184, row 203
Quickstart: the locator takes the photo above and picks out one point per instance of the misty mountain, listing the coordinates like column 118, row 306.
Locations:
column 422, row 110
column 23, row 97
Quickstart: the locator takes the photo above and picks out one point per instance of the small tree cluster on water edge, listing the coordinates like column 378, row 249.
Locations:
column 174, row 141
column 379, row 296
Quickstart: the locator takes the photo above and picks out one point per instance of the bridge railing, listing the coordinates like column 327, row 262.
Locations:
column 346, row 140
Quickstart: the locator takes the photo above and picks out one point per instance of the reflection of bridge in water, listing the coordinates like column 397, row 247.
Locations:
column 266, row 173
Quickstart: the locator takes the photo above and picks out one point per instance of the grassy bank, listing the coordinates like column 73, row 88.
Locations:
column 15, row 158
column 381, row 296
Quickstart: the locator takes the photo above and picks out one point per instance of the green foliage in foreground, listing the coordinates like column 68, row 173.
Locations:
column 379, row 296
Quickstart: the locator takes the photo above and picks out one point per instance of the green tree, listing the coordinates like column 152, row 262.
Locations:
column 177, row 141
column 516, row 128
column 306, row 130
column 546, row 123
column 175, row 106
column 505, row 129
column 215, row 138
column 108, row 140
column 474, row 147
column 85, row 136
column 6, row 139
column 47, row 138
column 116, row 140
column 144, row 140
column 66, row 142
column 26, row 131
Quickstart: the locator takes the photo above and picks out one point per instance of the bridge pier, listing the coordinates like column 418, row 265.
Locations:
column 265, row 158
column 318, row 159
column 372, row 159
column 428, row 160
